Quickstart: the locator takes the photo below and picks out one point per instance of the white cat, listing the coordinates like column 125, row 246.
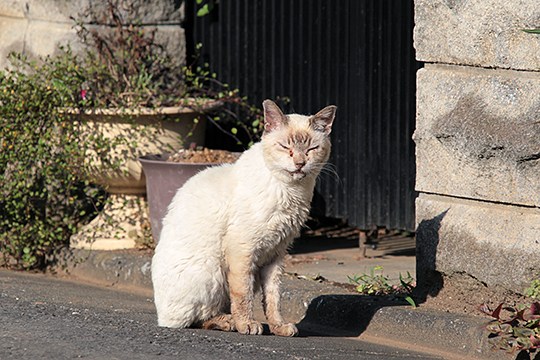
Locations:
column 228, row 228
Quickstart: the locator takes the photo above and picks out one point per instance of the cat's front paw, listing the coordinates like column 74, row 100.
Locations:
column 250, row 327
column 284, row 330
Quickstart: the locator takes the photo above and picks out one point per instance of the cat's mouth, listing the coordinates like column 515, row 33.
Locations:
column 297, row 174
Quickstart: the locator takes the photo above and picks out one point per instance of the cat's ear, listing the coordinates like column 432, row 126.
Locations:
column 273, row 116
column 322, row 121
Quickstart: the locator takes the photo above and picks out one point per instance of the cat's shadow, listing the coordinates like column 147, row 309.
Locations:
column 342, row 315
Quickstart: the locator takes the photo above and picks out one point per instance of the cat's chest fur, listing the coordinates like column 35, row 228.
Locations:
column 276, row 225
column 270, row 212
column 287, row 215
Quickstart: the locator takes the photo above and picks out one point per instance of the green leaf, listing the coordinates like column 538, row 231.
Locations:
column 410, row 301
column 204, row 10
column 234, row 131
column 532, row 31
column 523, row 333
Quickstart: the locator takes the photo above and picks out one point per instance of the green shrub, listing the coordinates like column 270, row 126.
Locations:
column 44, row 192
column 44, row 153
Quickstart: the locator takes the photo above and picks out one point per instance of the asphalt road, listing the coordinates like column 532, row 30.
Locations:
column 43, row 317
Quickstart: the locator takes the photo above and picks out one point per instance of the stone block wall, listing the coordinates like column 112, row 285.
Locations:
column 478, row 141
column 38, row 27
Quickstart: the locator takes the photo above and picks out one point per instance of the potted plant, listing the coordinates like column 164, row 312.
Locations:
column 137, row 99
column 54, row 113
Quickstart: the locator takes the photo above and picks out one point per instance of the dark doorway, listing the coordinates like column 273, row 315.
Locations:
column 357, row 55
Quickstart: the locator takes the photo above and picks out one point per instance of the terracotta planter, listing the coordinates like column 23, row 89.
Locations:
column 163, row 179
column 120, row 224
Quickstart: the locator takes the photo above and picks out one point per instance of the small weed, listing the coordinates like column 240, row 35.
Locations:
column 533, row 291
column 514, row 328
column 376, row 283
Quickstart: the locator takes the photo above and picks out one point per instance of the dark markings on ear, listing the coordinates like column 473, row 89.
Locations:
column 273, row 116
column 322, row 121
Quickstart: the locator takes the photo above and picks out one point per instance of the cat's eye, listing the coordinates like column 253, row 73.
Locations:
column 312, row 148
column 284, row 147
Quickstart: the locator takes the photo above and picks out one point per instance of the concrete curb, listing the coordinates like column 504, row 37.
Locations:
column 320, row 308
column 121, row 268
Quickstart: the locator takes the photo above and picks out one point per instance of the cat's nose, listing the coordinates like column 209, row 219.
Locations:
column 299, row 164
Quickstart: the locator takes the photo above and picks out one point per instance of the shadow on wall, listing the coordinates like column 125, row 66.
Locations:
column 429, row 281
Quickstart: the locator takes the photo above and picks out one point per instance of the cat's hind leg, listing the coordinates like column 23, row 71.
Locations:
column 223, row 322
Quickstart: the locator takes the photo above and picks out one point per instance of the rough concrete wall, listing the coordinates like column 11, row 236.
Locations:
column 38, row 27
column 486, row 33
column 478, row 141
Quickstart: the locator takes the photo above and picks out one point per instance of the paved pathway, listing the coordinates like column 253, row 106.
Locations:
column 47, row 318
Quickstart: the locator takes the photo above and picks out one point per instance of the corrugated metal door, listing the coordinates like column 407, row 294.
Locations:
column 355, row 54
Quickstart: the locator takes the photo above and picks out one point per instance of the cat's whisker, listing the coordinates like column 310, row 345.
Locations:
column 328, row 169
column 332, row 173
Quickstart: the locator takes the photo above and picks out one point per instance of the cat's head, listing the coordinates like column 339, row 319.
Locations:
column 296, row 146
